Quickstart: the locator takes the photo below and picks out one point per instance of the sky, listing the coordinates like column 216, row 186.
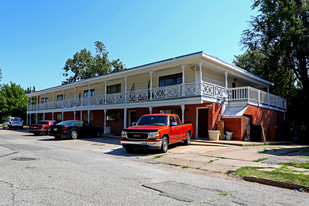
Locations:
column 37, row 37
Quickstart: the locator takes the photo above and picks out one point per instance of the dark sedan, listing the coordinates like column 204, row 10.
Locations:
column 74, row 129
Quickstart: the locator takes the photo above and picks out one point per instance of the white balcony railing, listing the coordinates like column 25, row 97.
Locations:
column 255, row 96
column 248, row 94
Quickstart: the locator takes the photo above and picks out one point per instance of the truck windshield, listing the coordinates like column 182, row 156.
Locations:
column 153, row 120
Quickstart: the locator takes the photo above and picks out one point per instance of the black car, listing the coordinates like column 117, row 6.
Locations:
column 74, row 129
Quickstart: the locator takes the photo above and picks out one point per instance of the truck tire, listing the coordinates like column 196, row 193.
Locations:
column 129, row 148
column 188, row 140
column 164, row 145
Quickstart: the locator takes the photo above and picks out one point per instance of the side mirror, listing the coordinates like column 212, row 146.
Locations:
column 173, row 124
column 134, row 123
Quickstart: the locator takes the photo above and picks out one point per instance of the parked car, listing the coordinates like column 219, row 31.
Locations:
column 13, row 122
column 74, row 129
column 156, row 131
column 41, row 127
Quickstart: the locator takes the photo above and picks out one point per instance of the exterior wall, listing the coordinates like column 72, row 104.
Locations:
column 259, row 115
column 68, row 116
column 214, row 77
column 98, row 118
column 117, row 125
column 48, row 116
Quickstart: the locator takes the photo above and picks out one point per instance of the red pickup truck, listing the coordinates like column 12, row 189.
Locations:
column 156, row 131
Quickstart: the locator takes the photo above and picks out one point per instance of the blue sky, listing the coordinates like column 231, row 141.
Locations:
column 37, row 37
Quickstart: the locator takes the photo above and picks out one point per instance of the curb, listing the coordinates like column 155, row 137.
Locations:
column 276, row 183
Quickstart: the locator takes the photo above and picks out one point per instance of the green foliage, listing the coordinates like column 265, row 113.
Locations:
column 12, row 101
column 260, row 160
column 0, row 74
column 277, row 49
column 304, row 165
column 84, row 65
column 280, row 174
column 30, row 90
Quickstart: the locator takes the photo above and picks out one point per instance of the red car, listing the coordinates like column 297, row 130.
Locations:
column 156, row 131
column 41, row 127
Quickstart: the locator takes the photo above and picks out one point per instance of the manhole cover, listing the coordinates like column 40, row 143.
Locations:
column 23, row 158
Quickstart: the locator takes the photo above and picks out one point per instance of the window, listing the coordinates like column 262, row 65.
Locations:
column 60, row 97
column 170, row 80
column 178, row 121
column 59, row 116
column 172, row 119
column 44, row 100
column 112, row 116
column 116, row 88
column 171, row 111
column 91, row 93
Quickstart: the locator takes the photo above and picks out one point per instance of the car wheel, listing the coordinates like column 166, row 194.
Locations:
column 164, row 145
column 57, row 137
column 74, row 134
column 36, row 133
column 188, row 140
column 129, row 149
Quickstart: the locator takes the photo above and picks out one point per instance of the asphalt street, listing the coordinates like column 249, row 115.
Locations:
column 39, row 170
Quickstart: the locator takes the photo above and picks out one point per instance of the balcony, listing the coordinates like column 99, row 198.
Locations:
column 241, row 94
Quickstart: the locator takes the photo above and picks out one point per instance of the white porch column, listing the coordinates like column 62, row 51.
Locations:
column 53, row 100
column 88, row 96
column 88, row 116
column 150, row 110
column 52, row 115
column 74, row 115
column 125, row 89
column 105, row 110
column 196, row 82
column 183, row 79
column 62, row 113
column 105, row 93
column 150, row 76
column 226, row 80
column 37, row 102
column 183, row 113
column 75, row 97
column 81, row 115
column 44, row 116
column 124, row 117
column 27, row 117
column 201, row 79
column 36, row 117
column 62, row 100
column 268, row 96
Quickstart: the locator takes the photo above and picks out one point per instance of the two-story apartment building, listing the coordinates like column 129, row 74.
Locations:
column 198, row 87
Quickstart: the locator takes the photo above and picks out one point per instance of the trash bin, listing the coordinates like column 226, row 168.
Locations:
column 213, row 135
column 229, row 135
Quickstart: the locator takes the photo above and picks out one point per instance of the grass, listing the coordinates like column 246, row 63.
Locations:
column 306, row 157
column 304, row 165
column 158, row 156
column 260, row 160
column 224, row 193
column 184, row 166
column 279, row 174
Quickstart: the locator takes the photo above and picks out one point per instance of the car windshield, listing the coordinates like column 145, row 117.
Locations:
column 67, row 123
column 43, row 122
column 17, row 119
column 153, row 120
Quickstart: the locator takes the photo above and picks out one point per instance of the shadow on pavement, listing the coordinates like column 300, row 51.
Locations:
column 278, row 151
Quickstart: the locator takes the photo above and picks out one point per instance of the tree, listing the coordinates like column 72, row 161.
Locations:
column 0, row 74
column 281, row 32
column 30, row 90
column 12, row 101
column 83, row 65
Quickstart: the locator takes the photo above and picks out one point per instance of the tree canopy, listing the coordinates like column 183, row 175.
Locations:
column 281, row 33
column 13, row 101
column 277, row 49
column 84, row 65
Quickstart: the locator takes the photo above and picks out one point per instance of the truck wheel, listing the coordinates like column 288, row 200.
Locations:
column 188, row 140
column 129, row 149
column 164, row 145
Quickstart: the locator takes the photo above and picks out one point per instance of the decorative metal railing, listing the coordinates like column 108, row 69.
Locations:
column 205, row 89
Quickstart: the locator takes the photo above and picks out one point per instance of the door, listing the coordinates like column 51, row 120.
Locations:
column 132, row 117
column 174, row 130
column 246, row 127
column 203, row 123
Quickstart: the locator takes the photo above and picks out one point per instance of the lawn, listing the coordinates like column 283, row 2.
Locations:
column 283, row 173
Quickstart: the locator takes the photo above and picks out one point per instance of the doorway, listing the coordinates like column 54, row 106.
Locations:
column 132, row 117
column 202, row 122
